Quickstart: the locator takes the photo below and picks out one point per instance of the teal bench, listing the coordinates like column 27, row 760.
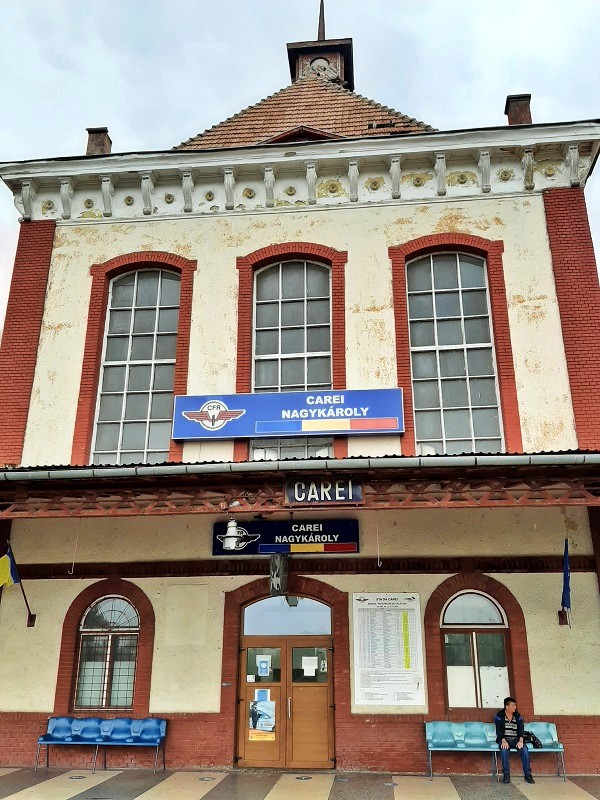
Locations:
column 95, row 732
column 480, row 737
column 461, row 737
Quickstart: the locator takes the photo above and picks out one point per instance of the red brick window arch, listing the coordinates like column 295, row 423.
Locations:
column 106, row 650
column 268, row 330
column 104, row 276
column 471, row 622
column 433, row 300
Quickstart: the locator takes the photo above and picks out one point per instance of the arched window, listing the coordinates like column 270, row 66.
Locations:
column 474, row 629
column 292, row 344
column 287, row 616
column 107, row 654
column 135, row 398
column 455, row 389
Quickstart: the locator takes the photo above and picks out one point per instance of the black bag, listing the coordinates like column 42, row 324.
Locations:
column 531, row 738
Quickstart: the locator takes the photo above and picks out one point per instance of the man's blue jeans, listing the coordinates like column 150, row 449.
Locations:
column 523, row 752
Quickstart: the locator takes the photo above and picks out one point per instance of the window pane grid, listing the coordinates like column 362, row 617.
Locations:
column 292, row 345
column 134, row 412
column 456, row 409
column 108, row 644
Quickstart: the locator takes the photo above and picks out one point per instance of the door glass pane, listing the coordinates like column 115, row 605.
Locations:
column 493, row 672
column 263, row 664
column 459, row 671
column 287, row 616
column 309, row 664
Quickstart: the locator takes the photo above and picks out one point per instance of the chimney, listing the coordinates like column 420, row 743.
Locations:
column 517, row 109
column 99, row 142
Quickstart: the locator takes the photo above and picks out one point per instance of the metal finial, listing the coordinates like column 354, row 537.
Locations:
column 321, row 32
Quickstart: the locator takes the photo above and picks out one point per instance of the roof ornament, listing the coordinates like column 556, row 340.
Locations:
column 321, row 31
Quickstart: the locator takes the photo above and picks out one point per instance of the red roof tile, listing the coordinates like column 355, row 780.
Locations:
column 308, row 103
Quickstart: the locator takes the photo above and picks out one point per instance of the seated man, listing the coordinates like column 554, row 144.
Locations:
column 509, row 734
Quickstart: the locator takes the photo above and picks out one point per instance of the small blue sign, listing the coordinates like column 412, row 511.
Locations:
column 262, row 537
column 357, row 412
column 261, row 695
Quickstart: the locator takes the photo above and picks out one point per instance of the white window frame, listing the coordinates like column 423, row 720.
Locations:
column 127, row 363
column 259, row 449
column 465, row 347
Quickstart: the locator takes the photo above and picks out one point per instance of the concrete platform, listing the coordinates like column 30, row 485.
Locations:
column 55, row 784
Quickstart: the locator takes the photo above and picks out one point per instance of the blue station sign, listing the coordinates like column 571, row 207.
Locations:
column 322, row 413
column 260, row 537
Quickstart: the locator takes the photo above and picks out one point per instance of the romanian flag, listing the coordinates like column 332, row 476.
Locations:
column 9, row 575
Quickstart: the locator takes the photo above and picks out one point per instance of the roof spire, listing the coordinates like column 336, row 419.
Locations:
column 321, row 32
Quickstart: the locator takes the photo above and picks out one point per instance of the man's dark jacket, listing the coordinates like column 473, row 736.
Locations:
column 499, row 720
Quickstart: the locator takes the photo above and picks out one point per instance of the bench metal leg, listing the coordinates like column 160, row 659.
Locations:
column 156, row 758
column 164, row 760
column 430, row 765
column 104, row 756
column 37, row 757
column 494, row 768
column 95, row 759
column 562, row 758
column 47, row 756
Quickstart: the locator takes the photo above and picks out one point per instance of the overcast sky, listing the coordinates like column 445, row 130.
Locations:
column 159, row 71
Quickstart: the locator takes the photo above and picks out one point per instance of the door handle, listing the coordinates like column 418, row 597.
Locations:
column 289, row 707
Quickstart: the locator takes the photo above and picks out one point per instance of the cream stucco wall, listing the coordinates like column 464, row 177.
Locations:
column 415, row 532
column 186, row 676
column 188, row 643
column 366, row 233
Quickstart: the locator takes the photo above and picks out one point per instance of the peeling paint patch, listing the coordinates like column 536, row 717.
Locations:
column 282, row 203
column 331, row 188
column 452, row 221
column 373, row 184
column 570, row 523
column 463, row 178
column 93, row 213
column 420, row 177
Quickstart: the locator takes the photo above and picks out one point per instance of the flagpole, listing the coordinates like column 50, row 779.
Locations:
column 30, row 616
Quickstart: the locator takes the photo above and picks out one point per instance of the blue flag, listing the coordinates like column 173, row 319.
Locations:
column 566, row 592
column 9, row 574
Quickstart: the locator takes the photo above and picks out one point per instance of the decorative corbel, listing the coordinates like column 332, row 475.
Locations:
column 147, row 191
column 187, row 187
column 311, row 180
column 18, row 201
column 572, row 162
column 528, row 163
column 107, row 188
column 485, row 168
column 395, row 175
column 229, row 181
column 353, row 173
column 440, row 173
column 28, row 195
column 269, row 177
column 67, row 193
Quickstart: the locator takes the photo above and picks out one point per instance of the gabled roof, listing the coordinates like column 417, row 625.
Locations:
column 310, row 102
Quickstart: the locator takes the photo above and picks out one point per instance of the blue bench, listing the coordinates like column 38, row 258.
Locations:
column 480, row 737
column 461, row 737
column 96, row 732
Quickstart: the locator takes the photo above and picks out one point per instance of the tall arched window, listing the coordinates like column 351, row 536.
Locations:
column 135, row 398
column 292, row 344
column 474, row 629
column 453, row 363
column 107, row 655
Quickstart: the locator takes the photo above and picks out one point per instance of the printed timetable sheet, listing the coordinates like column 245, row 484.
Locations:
column 388, row 651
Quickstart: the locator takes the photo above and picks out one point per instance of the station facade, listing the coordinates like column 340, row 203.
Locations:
column 383, row 344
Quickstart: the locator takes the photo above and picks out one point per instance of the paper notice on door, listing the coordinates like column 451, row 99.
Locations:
column 263, row 665
column 309, row 665
column 262, row 694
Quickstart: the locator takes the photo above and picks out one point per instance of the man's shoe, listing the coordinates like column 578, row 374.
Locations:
column 529, row 779
column 506, row 778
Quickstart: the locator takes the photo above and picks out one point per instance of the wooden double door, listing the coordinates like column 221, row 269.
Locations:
column 285, row 708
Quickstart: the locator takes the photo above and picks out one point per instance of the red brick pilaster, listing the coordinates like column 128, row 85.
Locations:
column 102, row 274
column 247, row 265
column 492, row 252
column 21, row 336
column 517, row 655
column 578, row 296
column 67, row 665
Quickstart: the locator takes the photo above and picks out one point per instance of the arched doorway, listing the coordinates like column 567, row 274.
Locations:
column 285, row 713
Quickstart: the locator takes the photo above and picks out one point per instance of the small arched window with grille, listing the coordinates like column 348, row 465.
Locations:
column 107, row 654
column 135, row 399
column 455, row 392
column 474, row 629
